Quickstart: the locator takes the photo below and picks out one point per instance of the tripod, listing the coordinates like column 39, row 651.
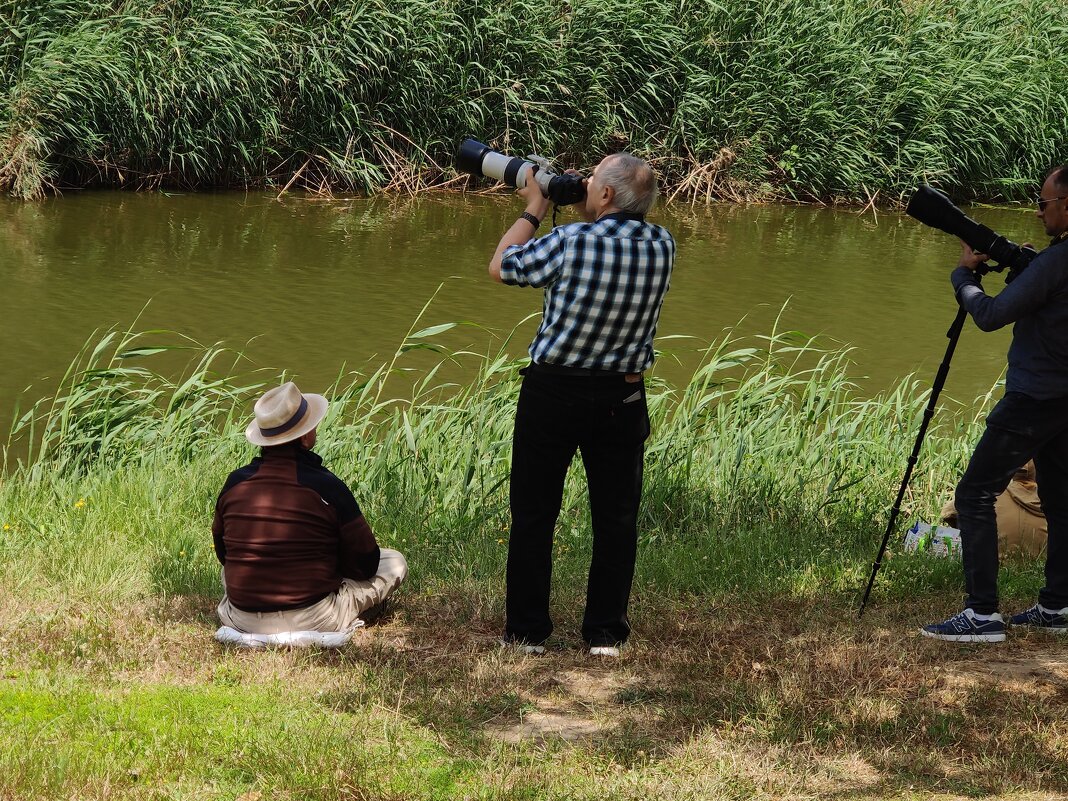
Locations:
column 936, row 389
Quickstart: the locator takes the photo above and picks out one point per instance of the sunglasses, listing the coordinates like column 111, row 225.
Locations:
column 1045, row 201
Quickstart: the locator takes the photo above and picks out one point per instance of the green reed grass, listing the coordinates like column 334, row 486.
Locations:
column 809, row 100
column 767, row 470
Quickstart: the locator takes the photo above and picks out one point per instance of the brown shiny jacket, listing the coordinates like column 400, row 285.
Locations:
column 287, row 531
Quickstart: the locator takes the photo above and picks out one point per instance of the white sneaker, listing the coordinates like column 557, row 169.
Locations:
column 522, row 647
column 604, row 650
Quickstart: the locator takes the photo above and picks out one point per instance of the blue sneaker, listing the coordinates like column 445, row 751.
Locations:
column 966, row 627
column 1039, row 617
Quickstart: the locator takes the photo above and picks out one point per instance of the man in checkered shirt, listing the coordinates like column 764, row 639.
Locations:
column 604, row 282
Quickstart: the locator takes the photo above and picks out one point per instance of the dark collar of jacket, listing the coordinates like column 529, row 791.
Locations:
column 622, row 216
column 1059, row 239
column 293, row 451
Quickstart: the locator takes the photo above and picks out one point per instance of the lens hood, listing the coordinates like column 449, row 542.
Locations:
column 469, row 157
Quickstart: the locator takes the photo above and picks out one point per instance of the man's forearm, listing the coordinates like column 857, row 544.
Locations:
column 1017, row 299
column 521, row 232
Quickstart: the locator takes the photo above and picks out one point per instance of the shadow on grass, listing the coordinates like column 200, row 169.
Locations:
column 759, row 681
column 795, row 683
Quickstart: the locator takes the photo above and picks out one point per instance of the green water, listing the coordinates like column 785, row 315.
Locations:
column 312, row 286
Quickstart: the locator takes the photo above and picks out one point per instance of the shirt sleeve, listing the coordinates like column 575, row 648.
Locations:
column 358, row 552
column 537, row 263
column 217, row 535
column 1030, row 290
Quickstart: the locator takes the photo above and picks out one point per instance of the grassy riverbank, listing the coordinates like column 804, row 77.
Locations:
column 748, row 676
column 804, row 100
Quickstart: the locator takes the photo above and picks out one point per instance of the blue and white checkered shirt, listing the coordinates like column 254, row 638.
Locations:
column 604, row 284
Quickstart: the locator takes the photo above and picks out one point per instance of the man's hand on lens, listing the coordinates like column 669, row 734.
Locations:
column 537, row 203
column 969, row 258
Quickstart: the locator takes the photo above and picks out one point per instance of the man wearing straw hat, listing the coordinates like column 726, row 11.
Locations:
column 296, row 551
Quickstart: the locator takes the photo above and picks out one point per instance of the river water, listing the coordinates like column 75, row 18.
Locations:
column 311, row 285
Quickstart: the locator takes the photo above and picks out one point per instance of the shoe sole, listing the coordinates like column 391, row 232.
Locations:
column 964, row 637
column 609, row 651
column 1032, row 627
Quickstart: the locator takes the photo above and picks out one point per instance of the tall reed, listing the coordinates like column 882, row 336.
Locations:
column 768, row 432
column 852, row 100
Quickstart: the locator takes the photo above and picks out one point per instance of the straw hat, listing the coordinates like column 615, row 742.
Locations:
column 284, row 414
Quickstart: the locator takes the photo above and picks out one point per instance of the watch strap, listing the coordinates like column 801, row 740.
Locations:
column 530, row 218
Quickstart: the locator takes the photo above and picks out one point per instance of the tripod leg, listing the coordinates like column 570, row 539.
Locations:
column 928, row 413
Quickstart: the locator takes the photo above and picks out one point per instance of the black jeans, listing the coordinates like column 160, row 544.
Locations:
column 1019, row 428
column 606, row 419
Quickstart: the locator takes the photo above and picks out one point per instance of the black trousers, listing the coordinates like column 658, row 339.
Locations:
column 1019, row 428
column 605, row 417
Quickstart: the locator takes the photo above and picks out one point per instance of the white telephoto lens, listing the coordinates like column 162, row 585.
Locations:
column 509, row 169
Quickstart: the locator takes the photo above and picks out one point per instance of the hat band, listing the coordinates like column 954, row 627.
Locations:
column 290, row 423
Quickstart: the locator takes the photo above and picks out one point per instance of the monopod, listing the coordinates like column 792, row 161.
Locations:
column 928, row 413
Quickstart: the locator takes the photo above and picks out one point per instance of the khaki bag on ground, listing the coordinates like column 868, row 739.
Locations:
column 1021, row 524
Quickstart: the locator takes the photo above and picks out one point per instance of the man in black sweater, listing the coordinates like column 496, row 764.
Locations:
column 1029, row 422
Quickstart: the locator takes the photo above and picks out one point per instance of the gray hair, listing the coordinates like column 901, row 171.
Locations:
column 632, row 179
column 1060, row 177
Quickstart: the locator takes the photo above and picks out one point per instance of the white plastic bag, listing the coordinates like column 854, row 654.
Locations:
column 933, row 540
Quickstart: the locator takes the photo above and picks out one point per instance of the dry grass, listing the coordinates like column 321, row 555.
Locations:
column 781, row 699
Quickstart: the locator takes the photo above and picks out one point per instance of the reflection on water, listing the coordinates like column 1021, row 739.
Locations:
column 316, row 285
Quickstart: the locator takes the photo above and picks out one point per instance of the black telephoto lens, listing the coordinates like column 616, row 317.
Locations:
column 935, row 209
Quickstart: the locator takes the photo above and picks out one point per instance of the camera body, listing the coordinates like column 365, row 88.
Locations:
column 935, row 209
column 481, row 160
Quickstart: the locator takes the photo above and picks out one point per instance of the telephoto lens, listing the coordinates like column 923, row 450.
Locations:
column 935, row 209
column 483, row 161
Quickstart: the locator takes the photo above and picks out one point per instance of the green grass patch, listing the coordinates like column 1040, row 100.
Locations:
column 219, row 740
column 766, row 472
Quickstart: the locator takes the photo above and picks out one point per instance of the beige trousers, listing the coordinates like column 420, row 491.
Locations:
column 338, row 611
